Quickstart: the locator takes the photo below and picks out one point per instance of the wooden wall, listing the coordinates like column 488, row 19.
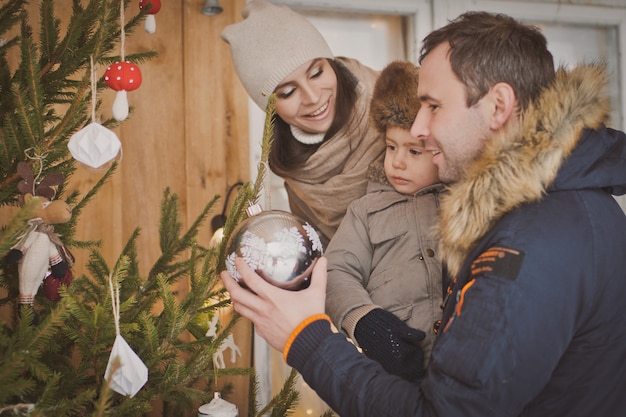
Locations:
column 188, row 131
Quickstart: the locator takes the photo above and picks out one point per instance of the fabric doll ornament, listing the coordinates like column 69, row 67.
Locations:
column 40, row 251
column 52, row 285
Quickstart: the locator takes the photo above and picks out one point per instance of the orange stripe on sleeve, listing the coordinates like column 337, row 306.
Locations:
column 299, row 329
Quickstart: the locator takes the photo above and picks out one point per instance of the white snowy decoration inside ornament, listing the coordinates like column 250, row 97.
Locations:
column 278, row 245
column 218, row 408
column 94, row 145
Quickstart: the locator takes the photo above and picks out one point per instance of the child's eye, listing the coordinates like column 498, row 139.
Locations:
column 416, row 151
column 390, row 147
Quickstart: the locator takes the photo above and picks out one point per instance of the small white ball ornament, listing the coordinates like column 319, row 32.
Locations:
column 278, row 245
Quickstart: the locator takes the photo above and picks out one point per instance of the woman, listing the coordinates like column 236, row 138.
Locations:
column 322, row 141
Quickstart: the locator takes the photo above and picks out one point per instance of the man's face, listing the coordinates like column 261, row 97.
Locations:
column 454, row 133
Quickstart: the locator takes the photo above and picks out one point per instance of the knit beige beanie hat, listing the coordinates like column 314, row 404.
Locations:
column 269, row 44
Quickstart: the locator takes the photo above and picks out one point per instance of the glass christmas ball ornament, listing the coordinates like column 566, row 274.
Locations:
column 278, row 245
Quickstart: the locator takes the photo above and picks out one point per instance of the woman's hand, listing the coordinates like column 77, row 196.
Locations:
column 275, row 312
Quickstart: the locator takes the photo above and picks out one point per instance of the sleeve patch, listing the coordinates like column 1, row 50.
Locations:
column 498, row 261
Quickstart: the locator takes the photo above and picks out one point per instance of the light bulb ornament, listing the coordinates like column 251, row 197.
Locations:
column 219, row 221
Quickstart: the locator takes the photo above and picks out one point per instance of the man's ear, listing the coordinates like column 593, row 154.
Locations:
column 504, row 104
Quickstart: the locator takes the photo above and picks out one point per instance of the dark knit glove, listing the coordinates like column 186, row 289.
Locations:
column 389, row 341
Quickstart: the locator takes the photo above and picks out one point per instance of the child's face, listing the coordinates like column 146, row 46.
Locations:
column 407, row 166
column 306, row 97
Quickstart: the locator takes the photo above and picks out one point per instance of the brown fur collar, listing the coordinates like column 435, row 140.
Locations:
column 520, row 162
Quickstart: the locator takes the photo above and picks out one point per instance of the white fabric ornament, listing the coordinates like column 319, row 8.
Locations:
column 120, row 107
column 150, row 24
column 94, row 145
column 132, row 373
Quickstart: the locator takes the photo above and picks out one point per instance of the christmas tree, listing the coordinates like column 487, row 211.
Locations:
column 56, row 351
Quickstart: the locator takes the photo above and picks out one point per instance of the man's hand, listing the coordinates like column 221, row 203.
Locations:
column 275, row 312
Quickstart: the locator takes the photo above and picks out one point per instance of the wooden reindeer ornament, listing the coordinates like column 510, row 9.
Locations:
column 228, row 343
column 39, row 251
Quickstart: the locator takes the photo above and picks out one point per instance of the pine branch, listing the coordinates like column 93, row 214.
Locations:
column 282, row 404
column 266, row 144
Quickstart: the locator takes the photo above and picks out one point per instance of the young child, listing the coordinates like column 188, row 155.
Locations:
column 384, row 276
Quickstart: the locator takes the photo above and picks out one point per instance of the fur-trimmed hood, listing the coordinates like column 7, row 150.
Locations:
column 520, row 164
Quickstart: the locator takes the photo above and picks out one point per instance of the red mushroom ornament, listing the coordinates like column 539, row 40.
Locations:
column 150, row 22
column 122, row 77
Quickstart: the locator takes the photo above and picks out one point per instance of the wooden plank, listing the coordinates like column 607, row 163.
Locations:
column 216, row 121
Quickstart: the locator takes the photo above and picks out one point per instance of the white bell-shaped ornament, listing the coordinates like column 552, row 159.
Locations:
column 218, row 408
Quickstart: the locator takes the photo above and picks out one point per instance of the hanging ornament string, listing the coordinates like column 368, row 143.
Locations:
column 122, row 32
column 115, row 303
column 32, row 154
column 94, row 90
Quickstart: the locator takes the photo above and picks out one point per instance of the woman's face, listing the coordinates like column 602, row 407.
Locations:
column 306, row 97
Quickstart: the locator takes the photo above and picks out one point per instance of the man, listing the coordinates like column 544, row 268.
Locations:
column 530, row 233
